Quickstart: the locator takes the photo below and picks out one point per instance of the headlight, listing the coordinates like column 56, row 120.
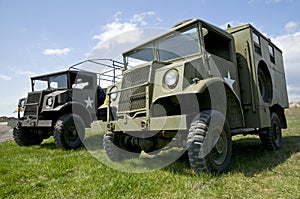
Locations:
column 114, row 93
column 171, row 78
column 49, row 101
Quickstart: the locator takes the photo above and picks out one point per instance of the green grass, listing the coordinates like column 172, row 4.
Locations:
column 47, row 172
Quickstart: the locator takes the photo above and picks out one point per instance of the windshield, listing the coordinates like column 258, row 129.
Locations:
column 172, row 46
column 52, row 82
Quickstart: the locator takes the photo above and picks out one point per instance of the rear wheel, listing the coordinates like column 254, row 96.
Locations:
column 272, row 138
column 26, row 136
column 210, row 144
column 68, row 131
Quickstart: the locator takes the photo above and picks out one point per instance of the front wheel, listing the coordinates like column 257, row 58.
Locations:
column 26, row 136
column 68, row 131
column 119, row 147
column 210, row 144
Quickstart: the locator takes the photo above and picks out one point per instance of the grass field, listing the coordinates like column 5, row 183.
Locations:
column 47, row 172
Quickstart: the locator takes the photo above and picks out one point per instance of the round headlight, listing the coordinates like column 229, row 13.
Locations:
column 49, row 101
column 171, row 78
column 114, row 93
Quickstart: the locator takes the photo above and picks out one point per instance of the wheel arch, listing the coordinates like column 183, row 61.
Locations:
column 265, row 83
column 279, row 110
column 78, row 109
column 234, row 114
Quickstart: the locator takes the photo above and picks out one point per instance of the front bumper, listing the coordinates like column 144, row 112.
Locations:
column 35, row 123
column 139, row 124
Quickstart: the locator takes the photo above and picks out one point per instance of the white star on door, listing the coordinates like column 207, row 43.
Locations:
column 229, row 81
column 89, row 102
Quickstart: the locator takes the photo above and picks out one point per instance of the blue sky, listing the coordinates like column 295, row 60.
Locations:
column 38, row 37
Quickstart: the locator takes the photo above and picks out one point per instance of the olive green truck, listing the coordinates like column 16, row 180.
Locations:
column 195, row 87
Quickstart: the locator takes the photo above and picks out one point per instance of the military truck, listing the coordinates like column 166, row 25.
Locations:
column 197, row 86
column 63, row 104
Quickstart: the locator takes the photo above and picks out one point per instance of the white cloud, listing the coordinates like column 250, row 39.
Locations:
column 117, row 27
column 291, row 27
column 289, row 44
column 112, row 29
column 125, row 34
column 25, row 72
column 57, row 51
column 5, row 77
column 141, row 18
column 268, row 1
column 294, row 93
column 273, row 1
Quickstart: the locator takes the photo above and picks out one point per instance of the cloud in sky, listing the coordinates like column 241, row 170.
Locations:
column 268, row 1
column 289, row 44
column 273, row 1
column 291, row 27
column 125, row 34
column 5, row 77
column 117, row 27
column 25, row 72
column 294, row 93
column 56, row 51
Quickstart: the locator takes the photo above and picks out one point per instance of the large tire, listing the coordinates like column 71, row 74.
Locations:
column 265, row 85
column 116, row 150
column 209, row 149
column 272, row 138
column 26, row 136
column 68, row 132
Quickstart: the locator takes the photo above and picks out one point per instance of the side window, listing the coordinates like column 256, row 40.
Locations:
column 256, row 41
column 217, row 44
column 271, row 53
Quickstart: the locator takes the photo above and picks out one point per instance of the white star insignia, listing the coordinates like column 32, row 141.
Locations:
column 228, row 80
column 89, row 102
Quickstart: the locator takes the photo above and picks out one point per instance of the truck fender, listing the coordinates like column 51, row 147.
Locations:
column 78, row 109
column 234, row 112
column 201, row 89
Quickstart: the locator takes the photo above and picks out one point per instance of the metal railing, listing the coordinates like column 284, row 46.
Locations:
column 113, row 73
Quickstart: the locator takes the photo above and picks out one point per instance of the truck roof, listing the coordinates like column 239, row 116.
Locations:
column 235, row 29
column 177, row 27
column 46, row 76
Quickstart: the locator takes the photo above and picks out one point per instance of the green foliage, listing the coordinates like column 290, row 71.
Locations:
column 47, row 172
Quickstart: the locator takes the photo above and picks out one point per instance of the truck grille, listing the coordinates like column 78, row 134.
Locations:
column 134, row 98
column 32, row 104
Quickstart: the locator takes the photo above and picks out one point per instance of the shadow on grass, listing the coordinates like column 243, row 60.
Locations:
column 249, row 157
column 94, row 142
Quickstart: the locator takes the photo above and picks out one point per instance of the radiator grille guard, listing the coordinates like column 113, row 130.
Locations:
column 133, row 94
column 32, row 104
